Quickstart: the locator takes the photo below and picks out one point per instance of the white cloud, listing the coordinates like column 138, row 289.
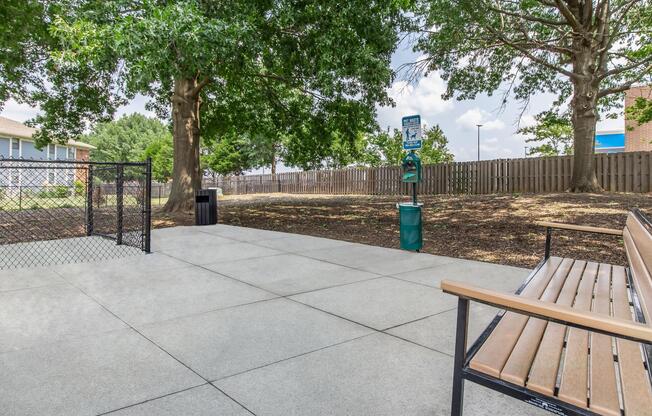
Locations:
column 18, row 112
column 471, row 118
column 424, row 98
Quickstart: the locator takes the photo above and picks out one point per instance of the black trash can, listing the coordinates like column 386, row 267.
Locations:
column 206, row 207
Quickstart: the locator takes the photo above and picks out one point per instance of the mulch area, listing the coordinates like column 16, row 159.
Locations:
column 492, row 228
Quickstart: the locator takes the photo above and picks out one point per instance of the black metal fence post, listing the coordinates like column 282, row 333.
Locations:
column 89, row 201
column 148, row 206
column 457, row 405
column 119, row 197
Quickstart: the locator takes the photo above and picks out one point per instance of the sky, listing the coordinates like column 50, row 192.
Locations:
column 457, row 119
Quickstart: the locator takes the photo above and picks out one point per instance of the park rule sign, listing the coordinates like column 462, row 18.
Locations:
column 411, row 132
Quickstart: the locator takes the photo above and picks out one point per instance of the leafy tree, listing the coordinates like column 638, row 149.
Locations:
column 162, row 154
column 434, row 147
column 531, row 46
column 387, row 149
column 384, row 148
column 641, row 111
column 125, row 139
column 555, row 131
column 319, row 67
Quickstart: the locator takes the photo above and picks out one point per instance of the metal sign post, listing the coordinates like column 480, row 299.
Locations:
column 410, row 213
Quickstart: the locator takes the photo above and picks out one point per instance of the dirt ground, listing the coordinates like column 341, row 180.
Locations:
column 492, row 228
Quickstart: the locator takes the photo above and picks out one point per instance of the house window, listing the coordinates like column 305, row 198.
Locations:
column 52, row 152
column 15, row 148
column 71, row 153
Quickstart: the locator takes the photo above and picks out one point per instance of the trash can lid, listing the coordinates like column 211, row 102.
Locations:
column 410, row 204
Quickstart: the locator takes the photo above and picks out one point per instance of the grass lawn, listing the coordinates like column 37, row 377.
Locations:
column 493, row 228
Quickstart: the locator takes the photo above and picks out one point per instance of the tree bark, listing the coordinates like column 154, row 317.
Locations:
column 186, row 174
column 584, row 119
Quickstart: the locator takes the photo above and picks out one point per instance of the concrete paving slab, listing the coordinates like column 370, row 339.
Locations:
column 222, row 343
column 63, row 251
column 143, row 264
column 378, row 260
column 199, row 401
column 27, row 278
column 188, row 241
column 45, row 314
column 220, row 252
column 380, row 303
column 489, row 275
column 438, row 332
column 288, row 274
column 243, row 233
column 376, row 375
column 300, row 243
column 88, row 376
column 140, row 298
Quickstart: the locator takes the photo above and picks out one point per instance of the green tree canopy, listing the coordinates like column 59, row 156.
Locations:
column 125, row 139
column 585, row 52
column 309, row 69
column 553, row 134
column 385, row 148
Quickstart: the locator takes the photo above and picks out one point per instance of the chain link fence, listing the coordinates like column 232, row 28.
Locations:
column 55, row 212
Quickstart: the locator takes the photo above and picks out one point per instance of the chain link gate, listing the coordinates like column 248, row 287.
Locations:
column 65, row 211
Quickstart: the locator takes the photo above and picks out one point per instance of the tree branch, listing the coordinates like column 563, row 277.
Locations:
column 625, row 86
column 618, row 70
column 200, row 86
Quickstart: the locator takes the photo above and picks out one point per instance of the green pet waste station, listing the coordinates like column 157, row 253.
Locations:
column 409, row 213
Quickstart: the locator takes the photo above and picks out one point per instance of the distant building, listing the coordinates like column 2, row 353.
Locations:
column 611, row 141
column 632, row 138
column 16, row 143
column 637, row 137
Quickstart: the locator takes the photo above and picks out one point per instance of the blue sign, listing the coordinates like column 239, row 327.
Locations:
column 411, row 132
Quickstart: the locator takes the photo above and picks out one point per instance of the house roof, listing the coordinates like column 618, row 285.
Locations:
column 13, row 128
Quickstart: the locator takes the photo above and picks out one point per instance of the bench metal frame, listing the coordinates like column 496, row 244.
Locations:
column 462, row 371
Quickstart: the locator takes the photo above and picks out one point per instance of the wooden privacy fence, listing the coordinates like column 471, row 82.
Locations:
column 617, row 172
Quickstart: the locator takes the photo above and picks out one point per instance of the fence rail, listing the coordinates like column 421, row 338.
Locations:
column 616, row 172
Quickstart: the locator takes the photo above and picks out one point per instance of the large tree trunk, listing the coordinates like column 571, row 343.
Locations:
column 186, row 175
column 585, row 117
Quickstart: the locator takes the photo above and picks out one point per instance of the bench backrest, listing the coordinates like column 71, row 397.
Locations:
column 638, row 245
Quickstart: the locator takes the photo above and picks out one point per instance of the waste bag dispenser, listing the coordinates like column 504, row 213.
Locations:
column 410, row 218
column 206, row 207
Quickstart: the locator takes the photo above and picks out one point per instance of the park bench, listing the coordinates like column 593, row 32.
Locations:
column 574, row 339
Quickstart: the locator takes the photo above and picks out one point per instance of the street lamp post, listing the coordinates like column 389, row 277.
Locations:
column 479, row 125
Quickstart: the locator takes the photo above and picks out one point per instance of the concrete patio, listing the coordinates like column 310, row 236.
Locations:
column 231, row 321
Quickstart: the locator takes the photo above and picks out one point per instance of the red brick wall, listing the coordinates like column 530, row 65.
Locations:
column 637, row 137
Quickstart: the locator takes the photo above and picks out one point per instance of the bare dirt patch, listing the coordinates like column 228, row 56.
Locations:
column 492, row 228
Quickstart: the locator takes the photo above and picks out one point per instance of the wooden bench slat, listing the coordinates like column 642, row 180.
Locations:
column 603, row 388
column 640, row 273
column 635, row 383
column 543, row 374
column 520, row 360
column 574, row 381
column 491, row 357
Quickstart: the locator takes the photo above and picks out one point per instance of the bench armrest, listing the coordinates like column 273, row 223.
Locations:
column 584, row 228
column 590, row 321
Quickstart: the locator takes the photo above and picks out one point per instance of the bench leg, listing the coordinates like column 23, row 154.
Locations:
column 457, row 405
column 548, row 242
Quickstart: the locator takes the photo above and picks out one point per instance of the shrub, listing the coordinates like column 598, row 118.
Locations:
column 80, row 188
column 59, row 191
